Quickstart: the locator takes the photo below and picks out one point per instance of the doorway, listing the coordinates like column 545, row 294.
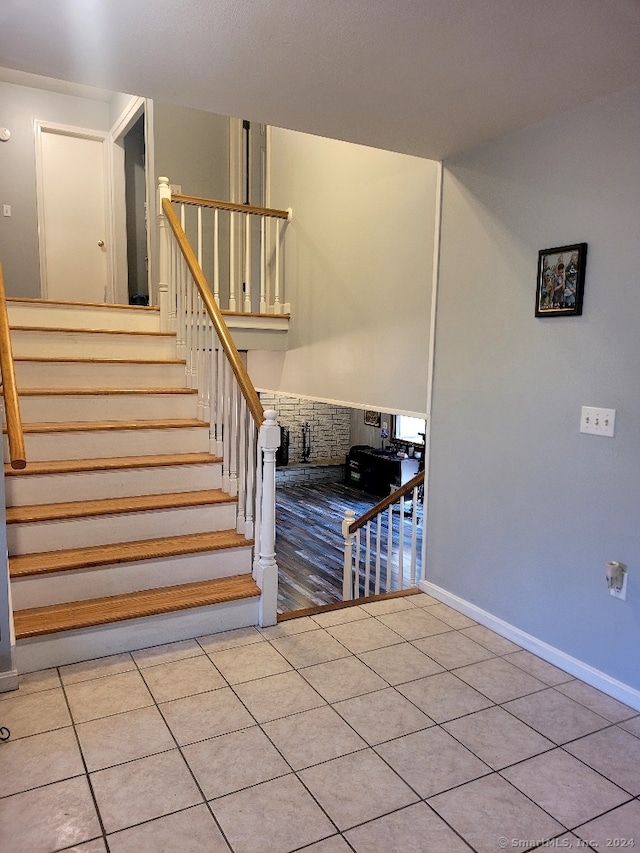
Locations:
column 136, row 213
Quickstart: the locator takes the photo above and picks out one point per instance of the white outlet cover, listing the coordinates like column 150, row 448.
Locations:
column 598, row 421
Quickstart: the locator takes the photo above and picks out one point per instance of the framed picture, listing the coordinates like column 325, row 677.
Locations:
column 561, row 280
column 372, row 418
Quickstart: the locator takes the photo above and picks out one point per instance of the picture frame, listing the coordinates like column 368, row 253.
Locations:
column 372, row 418
column 560, row 285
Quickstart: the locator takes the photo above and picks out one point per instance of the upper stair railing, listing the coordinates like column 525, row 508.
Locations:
column 382, row 548
column 239, row 249
column 241, row 432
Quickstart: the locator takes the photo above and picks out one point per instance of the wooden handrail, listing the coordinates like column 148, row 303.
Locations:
column 232, row 206
column 246, row 387
column 17, row 455
column 394, row 497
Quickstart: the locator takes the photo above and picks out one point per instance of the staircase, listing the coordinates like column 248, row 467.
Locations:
column 119, row 533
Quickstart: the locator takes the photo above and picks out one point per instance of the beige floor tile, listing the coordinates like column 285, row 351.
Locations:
column 97, row 668
column 335, row 844
column 632, row 725
column 313, row 736
column 249, row 662
column 35, row 713
column 596, row 701
column 388, row 605
column 310, row 648
column 497, row 737
column 144, row 789
column 414, row 624
column 50, row 818
column 423, row 600
column 166, row 653
column 231, row 762
column 450, row 616
column 453, row 649
column 490, row 640
column 276, row 816
column 383, row 715
column 432, row 761
column 289, row 628
column 205, row 715
column 539, row 668
column 190, row 831
column 339, row 617
column 614, row 753
column 230, row 639
column 342, row 678
column 499, row 680
column 399, row 663
column 39, row 760
column 365, row 635
column 278, row 696
column 124, row 737
column 357, row 788
column 555, row 716
column 182, row 678
column 564, row 787
column 620, row 825
column 112, row 694
column 34, row 682
column 443, row 696
column 95, row 846
column 401, row 831
column 489, row 814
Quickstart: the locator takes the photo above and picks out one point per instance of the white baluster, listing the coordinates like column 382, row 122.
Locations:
column 389, row 545
column 164, row 271
column 378, row 549
column 347, row 570
column 242, row 463
column 266, row 569
column 251, row 476
column 401, row 546
column 199, row 236
column 247, row 264
column 263, row 266
column 232, row 262
column 226, row 421
column 356, row 566
column 277, row 305
column 367, row 559
column 414, row 534
column 231, row 429
column 216, row 256
column 219, row 398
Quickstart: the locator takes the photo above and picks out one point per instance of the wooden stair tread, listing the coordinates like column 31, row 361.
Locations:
column 44, row 359
column 25, row 565
column 89, row 426
column 37, row 621
column 90, row 331
column 38, row 300
column 99, row 392
column 74, row 466
column 112, row 506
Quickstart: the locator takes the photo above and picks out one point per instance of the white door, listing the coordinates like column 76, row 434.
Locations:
column 73, row 214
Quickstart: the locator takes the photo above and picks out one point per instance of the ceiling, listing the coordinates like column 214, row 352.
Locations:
column 424, row 77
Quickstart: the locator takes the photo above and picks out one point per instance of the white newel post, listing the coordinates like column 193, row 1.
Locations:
column 265, row 569
column 347, row 575
column 163, row 283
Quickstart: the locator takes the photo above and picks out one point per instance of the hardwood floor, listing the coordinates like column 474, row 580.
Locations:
column 309, row 542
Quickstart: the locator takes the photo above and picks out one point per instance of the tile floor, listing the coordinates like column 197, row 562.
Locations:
column 396, row 726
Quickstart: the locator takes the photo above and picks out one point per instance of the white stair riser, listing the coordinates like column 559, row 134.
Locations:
column 83, row 317
column 98, row 485
column 57, row 344
column 35, row 374
column 113, row 443
column 106, row 407
column 36, row 537
column 72, row 646
column 80, row 585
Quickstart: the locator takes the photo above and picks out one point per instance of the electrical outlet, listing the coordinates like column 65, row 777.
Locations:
column 622, row 592
column 598, row 421
column 6, row 210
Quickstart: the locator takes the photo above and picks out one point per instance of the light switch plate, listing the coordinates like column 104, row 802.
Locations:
column 598, row 421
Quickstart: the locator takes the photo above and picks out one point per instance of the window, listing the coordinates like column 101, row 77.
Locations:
column 409, row 429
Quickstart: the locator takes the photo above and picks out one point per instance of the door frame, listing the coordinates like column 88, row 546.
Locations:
column 41, row 127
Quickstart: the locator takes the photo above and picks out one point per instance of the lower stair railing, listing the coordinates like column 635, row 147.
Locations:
column 383, row 548
column 241, row 432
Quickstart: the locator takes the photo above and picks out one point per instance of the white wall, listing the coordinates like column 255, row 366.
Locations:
column 358, row 268
column 19, row 106
column 525, row 511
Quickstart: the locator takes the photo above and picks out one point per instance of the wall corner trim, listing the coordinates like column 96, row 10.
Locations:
column 595, row 677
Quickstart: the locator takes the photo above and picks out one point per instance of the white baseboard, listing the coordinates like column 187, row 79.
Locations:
column 8, row 681
column 595, row 677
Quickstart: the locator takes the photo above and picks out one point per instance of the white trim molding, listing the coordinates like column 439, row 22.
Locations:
column 589, row 674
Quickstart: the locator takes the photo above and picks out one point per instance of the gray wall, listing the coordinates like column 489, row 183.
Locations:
column 19, row 106
column 525, row 511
